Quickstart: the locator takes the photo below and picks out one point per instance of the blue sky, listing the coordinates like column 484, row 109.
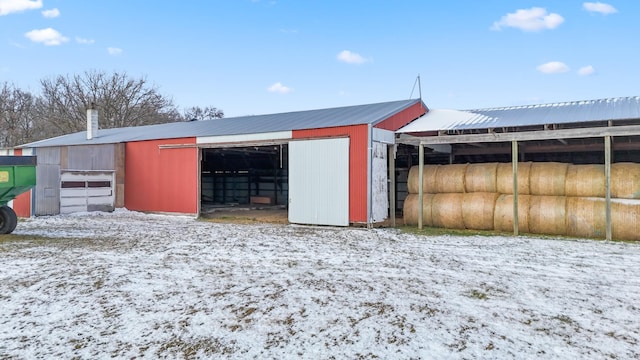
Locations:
column 259, row 56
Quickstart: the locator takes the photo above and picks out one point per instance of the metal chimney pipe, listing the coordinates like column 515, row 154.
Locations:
column 92, row 123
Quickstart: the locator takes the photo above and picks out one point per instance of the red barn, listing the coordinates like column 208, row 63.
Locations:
column 327, row 166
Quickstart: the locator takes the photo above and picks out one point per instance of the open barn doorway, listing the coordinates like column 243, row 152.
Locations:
column 245, row 183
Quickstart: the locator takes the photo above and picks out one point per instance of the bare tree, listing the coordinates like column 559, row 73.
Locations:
column 16, row 116
column 122, row 101
column 206, row 113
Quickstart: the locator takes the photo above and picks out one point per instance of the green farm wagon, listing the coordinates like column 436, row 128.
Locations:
column 17, row 175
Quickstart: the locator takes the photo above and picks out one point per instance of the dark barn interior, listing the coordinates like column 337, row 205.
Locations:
column 255, row 176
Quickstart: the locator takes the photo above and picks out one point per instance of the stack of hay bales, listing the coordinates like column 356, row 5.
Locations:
column 553, row 198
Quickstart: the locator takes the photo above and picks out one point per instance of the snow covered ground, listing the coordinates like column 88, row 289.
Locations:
column 132, row 285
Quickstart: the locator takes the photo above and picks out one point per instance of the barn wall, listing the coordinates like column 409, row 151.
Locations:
column 162, row 180
column 358, row 136
column 402, row 118
column 47, row 191
column 379, row 182
column 89, row 157
column 119, row 162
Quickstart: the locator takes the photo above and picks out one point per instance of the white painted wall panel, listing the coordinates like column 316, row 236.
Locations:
column 384, row 136
column 279, row 135
column 319, row 182
column 380, row 185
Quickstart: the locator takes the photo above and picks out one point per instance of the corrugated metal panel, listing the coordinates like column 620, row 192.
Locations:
column 402, row 118
column 91, row 157
column 162, row 180
column 319, row 182
column 299, row 120
column 358, row 145
column 48, row 156
column 47, row 190
column 558, row 113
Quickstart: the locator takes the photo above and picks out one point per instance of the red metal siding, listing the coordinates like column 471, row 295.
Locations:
column 358, row 136
column 402, row 118
column 163, row 180
column 22, row 202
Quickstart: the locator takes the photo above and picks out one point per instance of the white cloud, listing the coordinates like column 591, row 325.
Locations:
column 553, row 67
column 602, row 8
column 53, row 13
column 534, row 19
column 279, row 88
column 80, row 40
column 586, row 70
column 48, row 36
column 350, row 57
column 114, row 51
column 14, row 6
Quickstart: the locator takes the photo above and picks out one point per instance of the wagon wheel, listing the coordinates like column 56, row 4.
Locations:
column 8, row 220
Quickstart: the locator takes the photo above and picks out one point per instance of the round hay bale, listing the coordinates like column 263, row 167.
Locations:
column 446, row 210
column 548, row 178
column 503, row 213
column 481, row 177
column 450, row 178
column 585, row 181
column 504, row 178
column 624, row 219
column 429, row 174
column 547, row 215
column 586, row 217
column 410, row 209
column 477, row 210
column 625, row 180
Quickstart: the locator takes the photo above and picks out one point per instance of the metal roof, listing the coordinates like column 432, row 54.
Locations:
column 255, row 124
column 623, row 108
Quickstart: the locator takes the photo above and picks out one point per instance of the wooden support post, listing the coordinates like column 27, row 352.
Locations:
column 392, row 184
column 607, row 183
column 420, row 179
column 514, row 161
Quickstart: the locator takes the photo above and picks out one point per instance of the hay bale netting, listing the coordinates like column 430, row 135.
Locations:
column 547, row 215
column 586, row 217
column 477, row 210
column 446, row 210
column 481, row 178
column 625, row 180
column 504, row 178
column 429, row 174
column 410, row 209
column 585, row 181
column 450, row 178
column 624, row 219
column 548, row 178
column 503, row 213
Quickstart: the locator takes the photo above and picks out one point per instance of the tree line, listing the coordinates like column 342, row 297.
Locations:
column 61, row 106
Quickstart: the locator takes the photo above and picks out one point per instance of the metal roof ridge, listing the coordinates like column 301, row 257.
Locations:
column 321, row 109
column 554, row 104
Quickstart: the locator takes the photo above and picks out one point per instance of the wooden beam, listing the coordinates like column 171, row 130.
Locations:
column 627, row 130
column 543, row 148
column 607, row 184
column 392, row 183
column 514, row 161
column 420, row 179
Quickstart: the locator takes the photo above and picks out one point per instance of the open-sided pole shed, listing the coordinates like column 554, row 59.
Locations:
column 515, row 125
